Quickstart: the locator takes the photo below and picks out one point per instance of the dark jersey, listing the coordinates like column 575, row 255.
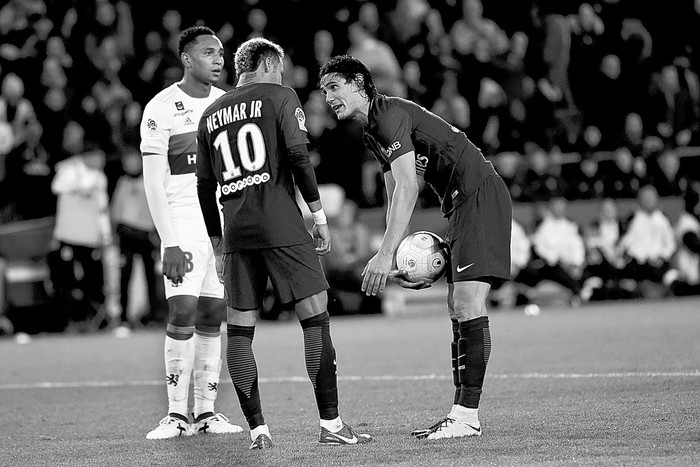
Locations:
column 445, row 157
column 243, row 140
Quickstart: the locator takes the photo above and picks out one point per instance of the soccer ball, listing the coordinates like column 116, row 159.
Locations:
column 423, row 255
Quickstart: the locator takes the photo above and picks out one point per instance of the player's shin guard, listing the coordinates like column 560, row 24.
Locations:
column 455, row 354
column 179, row 360
column 207, row 368
column 320, row 364
column 244, row 372
column 474, row 348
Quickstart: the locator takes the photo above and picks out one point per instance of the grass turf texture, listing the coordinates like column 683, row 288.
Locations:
column 604, row 384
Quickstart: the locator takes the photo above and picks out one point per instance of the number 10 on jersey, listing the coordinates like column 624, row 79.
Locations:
column 251, row 151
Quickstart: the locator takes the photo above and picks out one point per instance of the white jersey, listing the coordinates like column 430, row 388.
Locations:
column 169, row 127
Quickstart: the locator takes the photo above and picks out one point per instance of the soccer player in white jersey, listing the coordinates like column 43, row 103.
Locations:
column 194, row 293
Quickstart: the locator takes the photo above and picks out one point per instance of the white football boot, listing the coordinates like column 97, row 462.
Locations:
column 451, row 428
column 170, row 427
column 216, row 424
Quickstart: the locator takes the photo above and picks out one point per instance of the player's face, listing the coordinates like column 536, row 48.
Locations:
column 344, row 97
column 206, row 58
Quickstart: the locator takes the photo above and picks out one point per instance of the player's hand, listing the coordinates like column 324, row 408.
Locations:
column 376, row 273
column 174, row 264
column 398, row 276
column 322, row 238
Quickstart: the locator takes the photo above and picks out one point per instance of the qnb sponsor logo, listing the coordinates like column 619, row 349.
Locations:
column 396, row 145
column 245, row 182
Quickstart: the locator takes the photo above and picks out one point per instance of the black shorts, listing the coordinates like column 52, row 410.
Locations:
column 294, row 271
column 478, row 233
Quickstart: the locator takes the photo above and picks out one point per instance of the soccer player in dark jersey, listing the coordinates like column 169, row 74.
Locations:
column 252, row 142
column 414, row 147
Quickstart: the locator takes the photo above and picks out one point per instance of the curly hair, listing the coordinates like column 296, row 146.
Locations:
column 252, row 52
column 350, row 69
column 189, row 35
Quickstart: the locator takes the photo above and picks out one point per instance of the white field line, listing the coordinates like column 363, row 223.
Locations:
column 304, row 379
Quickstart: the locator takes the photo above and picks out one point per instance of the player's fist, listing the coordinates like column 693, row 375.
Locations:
column 174, row 264
column 322, row 238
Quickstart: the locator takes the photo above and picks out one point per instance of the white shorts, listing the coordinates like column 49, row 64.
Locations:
column 200, row 279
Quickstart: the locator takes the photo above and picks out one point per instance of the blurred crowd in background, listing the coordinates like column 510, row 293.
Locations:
column 570, row 99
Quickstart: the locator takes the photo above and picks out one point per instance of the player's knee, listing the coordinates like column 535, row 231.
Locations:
column 210, row 311
column 468, row 307
column 182, row 311
column 312, row 306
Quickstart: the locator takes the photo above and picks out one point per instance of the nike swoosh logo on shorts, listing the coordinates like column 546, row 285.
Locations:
column 462, row 268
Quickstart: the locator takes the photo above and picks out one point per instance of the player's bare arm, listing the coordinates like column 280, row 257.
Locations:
column 154, row 172
column 403, row 200
column 305, row 179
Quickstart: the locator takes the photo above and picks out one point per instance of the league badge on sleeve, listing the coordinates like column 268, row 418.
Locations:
column 301, row 118
column 151, row 125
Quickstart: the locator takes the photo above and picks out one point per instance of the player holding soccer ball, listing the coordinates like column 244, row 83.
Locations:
column 196, row 309
column 414, row 146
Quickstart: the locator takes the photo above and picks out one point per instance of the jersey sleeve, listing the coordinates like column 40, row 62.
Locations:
column 204, row 161
column 394, row 132
column 155, row 129
column 292, row 119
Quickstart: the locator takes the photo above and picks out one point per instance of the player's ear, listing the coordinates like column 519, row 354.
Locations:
column 359, row 81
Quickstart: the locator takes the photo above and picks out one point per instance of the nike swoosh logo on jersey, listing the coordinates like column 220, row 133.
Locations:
column 462, row 268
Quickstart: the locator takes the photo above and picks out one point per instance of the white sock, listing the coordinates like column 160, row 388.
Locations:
column 464, row 414
column 259, row 430
column 454, row 406
column 179, row 359
column 207, row 368
column 332, row 425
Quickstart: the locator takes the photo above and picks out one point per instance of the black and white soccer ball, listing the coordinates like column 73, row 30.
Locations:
column 423, row 255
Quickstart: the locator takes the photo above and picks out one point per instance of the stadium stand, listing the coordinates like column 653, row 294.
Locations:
column 580, row 99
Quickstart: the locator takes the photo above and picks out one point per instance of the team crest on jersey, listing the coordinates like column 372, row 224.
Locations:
column 179, row 105
column 151, row 124
column 301, row 119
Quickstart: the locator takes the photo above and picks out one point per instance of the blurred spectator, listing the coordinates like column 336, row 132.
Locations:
column 649, row 242
column 585, row 179
column 587, row 50
column 28, row 177
column 379, row 57
column 537, row 181
column 687, row 257
column 674, row 105
column 137, row 235
column 159, row 58
column 559, row 251
column 15, row 109
column 606, row 107
column 451, row 105
column 603, row 262
column 626, row 176
column 514, row 292
column 666, row 175
column 344, row 264
column 82, row 229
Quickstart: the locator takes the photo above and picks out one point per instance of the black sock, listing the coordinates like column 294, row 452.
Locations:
column 474, row 350
column 244, row 372
column 320, row 364
column 455, row 353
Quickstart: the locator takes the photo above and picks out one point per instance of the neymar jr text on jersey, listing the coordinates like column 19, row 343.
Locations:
column 231, row 114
